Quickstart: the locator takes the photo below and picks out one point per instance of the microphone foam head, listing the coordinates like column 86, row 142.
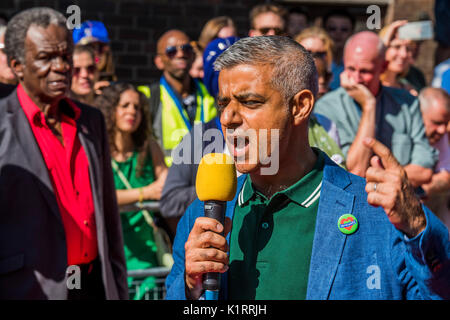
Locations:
column 216, row 178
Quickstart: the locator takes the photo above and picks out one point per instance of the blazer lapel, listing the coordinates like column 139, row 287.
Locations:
column 32, row 153
column 88, row 144
column 329, row 242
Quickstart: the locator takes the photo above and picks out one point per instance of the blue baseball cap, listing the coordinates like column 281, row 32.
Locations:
column 90, row 31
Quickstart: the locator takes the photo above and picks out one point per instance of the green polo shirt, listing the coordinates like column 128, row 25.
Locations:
column 271, row 239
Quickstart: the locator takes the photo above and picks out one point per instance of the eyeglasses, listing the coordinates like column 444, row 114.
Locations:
column 318, row 54
column 277, row 31
column 89, row 69
column 171, row 51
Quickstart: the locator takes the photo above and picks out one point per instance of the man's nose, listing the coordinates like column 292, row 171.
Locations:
column 230, row 117
column 60, row 64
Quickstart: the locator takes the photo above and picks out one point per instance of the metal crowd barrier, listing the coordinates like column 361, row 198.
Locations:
column 160, row 273
column 158, row 292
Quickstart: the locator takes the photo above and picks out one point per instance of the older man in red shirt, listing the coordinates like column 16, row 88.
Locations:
column 57, row 198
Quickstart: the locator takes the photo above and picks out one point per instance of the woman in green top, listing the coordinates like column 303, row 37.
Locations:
column 138, row 158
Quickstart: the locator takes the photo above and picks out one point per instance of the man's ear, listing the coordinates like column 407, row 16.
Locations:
column 17, row 68
column 158, row 62
column 302, row 106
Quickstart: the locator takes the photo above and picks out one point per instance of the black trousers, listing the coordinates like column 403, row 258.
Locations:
column 91, row 283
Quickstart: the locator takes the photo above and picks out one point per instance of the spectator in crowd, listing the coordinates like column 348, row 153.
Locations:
column 84, row 75
column 317, row 42
column 363, row 108
column 8, row 80
column 94, row 34
column 340, row 25
column 179, row 189
column 435, row 107
column 139, row 172
column 399, row 59
column 270, row 255
column 267, row 20
column 177, row 101
column 218, row 27
column 6, row 74
column 196, row 71
column 298, row 20
column 55, row 155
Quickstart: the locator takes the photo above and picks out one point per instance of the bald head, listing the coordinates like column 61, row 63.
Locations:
column 171, row 34
column 435, row 107
column 365, row 43
column 364, row 60
column 434, row 96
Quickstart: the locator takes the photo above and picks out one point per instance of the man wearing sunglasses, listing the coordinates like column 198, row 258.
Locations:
column 268, row 20
column 177, row 101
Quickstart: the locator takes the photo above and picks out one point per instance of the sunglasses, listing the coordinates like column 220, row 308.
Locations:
column 171, row 51
column 318, row 54
column 89, row 69
column 277, row 31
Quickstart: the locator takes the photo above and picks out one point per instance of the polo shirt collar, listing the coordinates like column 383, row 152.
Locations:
column 305, row 200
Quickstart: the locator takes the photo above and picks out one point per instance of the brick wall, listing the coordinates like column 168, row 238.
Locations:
column 135, row 25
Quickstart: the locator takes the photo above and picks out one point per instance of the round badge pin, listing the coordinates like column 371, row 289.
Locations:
column 347, row 223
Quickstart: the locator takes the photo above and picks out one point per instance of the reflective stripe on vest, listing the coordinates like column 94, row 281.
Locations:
column 174, row 126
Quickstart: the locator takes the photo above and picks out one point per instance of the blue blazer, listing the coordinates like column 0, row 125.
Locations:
column 376, row 262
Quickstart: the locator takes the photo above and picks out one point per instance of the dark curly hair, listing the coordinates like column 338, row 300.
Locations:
column 108, row 101
column 18, row 26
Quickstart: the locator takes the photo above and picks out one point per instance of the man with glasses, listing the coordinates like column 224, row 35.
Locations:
column 177, row 101
column 267, row 20
column 84, row 75
column 340, row 25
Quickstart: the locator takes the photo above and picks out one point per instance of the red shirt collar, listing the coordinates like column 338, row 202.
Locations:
column 35, row 115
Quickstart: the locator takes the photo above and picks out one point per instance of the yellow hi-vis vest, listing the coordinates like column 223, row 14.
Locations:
column 173, row 125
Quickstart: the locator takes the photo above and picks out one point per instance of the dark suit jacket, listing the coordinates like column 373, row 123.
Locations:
column 33, row 254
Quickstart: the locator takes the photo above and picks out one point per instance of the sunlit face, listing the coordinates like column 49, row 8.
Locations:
column 364, row 68
column 128, row 112
column 84, row 73
column 248, row 103
column 6, row 74
column 436, row 119
column 178, row 65
column 399, row 55
column 267, row 24
column 46, row 73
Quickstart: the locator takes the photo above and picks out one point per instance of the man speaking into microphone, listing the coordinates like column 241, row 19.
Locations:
column 311, row 230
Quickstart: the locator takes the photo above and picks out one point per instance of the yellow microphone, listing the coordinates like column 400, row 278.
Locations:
column 215, row 184
column 216, row 178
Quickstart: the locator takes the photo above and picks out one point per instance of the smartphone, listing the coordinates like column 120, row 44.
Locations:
column 418, row 30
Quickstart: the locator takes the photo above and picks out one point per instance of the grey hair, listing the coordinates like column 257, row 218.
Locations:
column 18, row 26
column 293, row 67
column 428, row 94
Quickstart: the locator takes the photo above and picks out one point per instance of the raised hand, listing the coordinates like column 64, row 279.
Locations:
column 388, row 186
